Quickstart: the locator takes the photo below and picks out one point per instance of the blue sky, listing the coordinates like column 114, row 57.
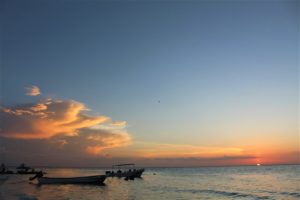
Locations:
column 176, row 72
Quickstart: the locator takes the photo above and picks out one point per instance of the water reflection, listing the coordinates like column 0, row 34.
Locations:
column 264, row 182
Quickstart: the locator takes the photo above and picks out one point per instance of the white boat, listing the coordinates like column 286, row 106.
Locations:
column 98, row 179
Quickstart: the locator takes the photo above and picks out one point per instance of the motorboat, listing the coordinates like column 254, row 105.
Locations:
column 5, row 170
column 23, row 169
column 127, row 170
column 97, row 179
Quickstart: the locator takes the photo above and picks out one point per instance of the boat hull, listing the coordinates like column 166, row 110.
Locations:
column 139, row 173
column 99, row 179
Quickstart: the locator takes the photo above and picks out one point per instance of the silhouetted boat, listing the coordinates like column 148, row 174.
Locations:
column 5, row 170
column 23, row 169
column 98, row 179
column 129, row 173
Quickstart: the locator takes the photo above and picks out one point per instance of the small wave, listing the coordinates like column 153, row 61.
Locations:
column 295, row 194
column 236, row 194
column 224, row 193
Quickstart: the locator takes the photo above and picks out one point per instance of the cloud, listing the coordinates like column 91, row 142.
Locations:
column 150, row 150
column 100, row 139
column 92, row 141
column 33, row 91
column 87, row 144
column 57, row 128
column 119, row 123
column 46, row 118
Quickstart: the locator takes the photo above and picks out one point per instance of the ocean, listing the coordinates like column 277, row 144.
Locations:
column 243, row 182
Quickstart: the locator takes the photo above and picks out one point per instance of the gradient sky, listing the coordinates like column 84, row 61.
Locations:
column 181, row 83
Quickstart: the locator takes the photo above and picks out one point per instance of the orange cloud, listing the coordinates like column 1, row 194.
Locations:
column 162, row 150
column 33, row 91
column 64, row 126
column 100, row 140
column 119, row 123
column 94, row 150
column 193, row 155
column 163, row 154
column 46, row 119
column 91, row 141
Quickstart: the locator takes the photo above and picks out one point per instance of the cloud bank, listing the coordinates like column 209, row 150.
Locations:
column 46, row 118
column 62, row 124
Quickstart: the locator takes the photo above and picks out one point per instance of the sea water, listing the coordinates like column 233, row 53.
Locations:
column 244, row 182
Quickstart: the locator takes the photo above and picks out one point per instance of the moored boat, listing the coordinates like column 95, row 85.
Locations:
column 138, row 173
column 130, row 172
column 5, row 170
column 97, row 179
column 23, row 169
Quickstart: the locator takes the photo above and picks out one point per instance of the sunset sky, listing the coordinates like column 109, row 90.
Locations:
column 158, row 83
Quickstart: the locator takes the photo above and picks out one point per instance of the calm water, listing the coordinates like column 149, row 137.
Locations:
column 264, row 182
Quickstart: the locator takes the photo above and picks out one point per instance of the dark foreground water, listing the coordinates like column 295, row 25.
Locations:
column 264, row 182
